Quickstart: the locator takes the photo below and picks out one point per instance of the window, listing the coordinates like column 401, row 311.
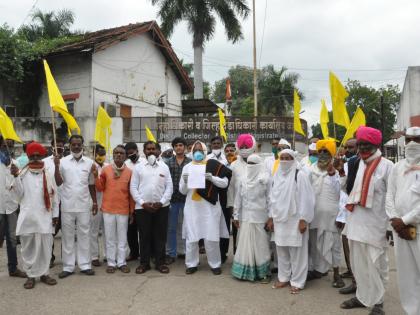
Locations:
column 70, row 106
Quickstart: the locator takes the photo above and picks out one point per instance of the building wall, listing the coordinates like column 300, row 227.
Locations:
column 408, row 113
column 135, row 71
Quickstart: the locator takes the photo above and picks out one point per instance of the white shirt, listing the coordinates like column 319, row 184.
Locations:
column 221, row 158
column 8, row 198
column 33, row 216
column 151, row 183
column 77, row 176
column 132, row 165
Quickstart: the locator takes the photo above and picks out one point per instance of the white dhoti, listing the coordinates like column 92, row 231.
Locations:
column 192, row 257
column 252, row 258
column 116, row 226
column 408, row 273
column 324, row 250
column 370, row 269
column 293, row 263
column 97, row 223
column 36, row 253
column 69, row 222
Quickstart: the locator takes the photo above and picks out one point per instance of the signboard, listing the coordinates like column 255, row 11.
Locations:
column 204, row 128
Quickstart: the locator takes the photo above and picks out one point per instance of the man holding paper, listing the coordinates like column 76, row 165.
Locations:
column 203, row 218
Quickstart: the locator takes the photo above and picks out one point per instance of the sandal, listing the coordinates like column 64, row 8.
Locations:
column 279, row 285
column 110, row 269
column 377, row 310
column 142, row 269
column 162, row 269
column 352, row 303
column 338, row 283
column 125, row 269
column 30, row 283
column 294, row 290
column 48, row 280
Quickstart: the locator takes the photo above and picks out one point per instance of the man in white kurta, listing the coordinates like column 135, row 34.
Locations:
column 202, row 219
column 367, row 223
column 291, row 210
column 39, row 210
column 403, row 208
column 324, row 237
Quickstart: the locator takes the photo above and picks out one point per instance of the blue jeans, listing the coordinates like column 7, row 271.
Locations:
column 174, row 225
column 8, row 226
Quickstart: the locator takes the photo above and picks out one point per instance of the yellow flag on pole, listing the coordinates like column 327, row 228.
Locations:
column 359, row 119
column 6, row 127
column 296, row 121
column 57, row 102
column 222, row 122
column 338, row 97
column 103, row 129
column 324, row 120
column 149, row 135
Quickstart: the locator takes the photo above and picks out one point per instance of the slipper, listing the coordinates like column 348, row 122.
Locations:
column 110, row 269
column 30, row 283
column 125, row 269
column 279, row 285
column 338, row 283
column 48, row 280
column 142, row 269
column 294, row 290
column 162, row 269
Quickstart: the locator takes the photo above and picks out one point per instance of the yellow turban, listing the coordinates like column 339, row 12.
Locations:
column 328, row 145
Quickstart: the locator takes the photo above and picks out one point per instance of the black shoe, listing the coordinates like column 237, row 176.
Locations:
column 88, row 272
column 352, row 303
column 349, row 289
column 191, row 270
column 65, row 274
column 378, row 309
column 169, row 260
column 313, row 274
column 216, row 271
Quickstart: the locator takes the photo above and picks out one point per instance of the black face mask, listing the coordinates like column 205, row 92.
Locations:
column 133, row 157
column 349, row 154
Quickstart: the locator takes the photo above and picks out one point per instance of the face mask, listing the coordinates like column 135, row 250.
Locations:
column 133, row 157
column 100, row 159
column 189, row 155
column 412, row 152
column 323, row 160
column 216, row 152
column 244, row 153
column 151, row 159
column 349, row 154
column 77, row 155
column 198, row 156
column 275, row 151
column 313, row 159
column 285, row 165
column 231, row 158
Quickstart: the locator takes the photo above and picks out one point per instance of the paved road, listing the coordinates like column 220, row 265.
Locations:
column 176, row 293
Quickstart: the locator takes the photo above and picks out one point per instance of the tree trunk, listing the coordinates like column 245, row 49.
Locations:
column 198, row 72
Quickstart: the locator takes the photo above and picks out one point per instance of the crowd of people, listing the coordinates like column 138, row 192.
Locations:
column 292, row 217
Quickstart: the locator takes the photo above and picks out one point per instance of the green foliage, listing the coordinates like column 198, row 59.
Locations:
column 369, row 99
column 275, row 90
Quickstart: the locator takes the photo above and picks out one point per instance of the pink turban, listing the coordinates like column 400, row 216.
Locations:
column 245, row 140
column 368, row 134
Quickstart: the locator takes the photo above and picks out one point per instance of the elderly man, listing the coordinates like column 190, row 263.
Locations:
column 367, row 223
column 272, row 163
column 78, row 200
column 37, row 192
column 324, row 237
column 403, row 209
column 217, row 150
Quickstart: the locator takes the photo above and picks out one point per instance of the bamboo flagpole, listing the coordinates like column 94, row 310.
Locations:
column 54, row 133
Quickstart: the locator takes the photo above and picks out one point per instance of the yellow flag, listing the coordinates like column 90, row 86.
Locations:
column 149, row 135
column 103, row 128
column 358, row 120
column 6, row 127
column 324, row 120
column 338, row 97
column 222, row 122
column 57, row 102
column 296, row 121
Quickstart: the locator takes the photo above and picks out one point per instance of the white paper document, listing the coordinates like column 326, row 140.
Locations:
column 197, row 176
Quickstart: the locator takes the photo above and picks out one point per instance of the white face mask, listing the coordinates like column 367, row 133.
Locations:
column 244, row 153
column 286, row 165
column 77, row 155
column 151, row 159
column 216, row 152
column 412, row 152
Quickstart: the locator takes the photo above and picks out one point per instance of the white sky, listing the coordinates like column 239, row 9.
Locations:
column 349, row 37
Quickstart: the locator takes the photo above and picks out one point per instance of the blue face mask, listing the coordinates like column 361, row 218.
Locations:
column 313, row 159
column 198, row 156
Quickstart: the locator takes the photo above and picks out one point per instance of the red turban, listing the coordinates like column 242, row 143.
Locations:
column 368, row 134
column 35, row 148
column 245, row 140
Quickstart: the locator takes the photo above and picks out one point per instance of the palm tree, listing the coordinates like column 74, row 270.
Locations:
column 200, row 16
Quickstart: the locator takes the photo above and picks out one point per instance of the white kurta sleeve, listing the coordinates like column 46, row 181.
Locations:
column 232, row 189
column 183, row 187
column 220, row 182
column 134, row 187
column 18, row 187
column 237, row 207
column 169, row 188
column 55, row 201
column 413, row 217
column 390, row 194
column 305, row 198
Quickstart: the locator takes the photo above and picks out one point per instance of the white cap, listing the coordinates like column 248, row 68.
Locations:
column 413, row 132
column 292, row 153
column 312, row 147
column 254, row 158
column 284, row 142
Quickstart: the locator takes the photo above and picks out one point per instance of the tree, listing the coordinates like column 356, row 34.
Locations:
column 200, row 16
column 275, row 90
column 48, row 25
column 369, row 99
